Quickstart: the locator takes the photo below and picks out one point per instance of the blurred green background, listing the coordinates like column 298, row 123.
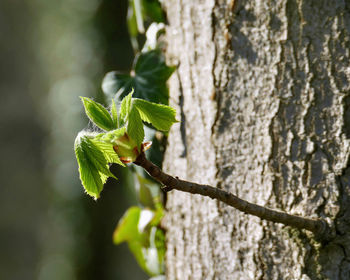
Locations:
column 52, row 52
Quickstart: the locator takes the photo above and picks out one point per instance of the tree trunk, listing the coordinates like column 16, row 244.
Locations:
column 263, row 94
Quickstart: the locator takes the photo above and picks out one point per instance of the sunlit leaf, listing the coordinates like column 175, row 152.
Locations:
column 93, row 165
column 119, row 143
column 162, row 117
column 125, row 107
column 89, row 175
column 108, row 152
column 98, row 114
column 114, row 112
column 135, row 127
column 111, row 136
column 143, row 241
column 127, row 229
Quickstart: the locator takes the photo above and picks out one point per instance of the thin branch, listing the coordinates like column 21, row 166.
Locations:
column 318, row 226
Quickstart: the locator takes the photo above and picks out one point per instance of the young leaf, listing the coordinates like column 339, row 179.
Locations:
column 126, row 106
column 93, row 166
column 125, row 148
column 162, row 117
column 114, row 112
column 111, row 137
column 135, row 127
column 98, row 114
column 89, row 174
column 108, row 152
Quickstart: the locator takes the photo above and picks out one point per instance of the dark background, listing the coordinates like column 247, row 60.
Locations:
column 52, row 52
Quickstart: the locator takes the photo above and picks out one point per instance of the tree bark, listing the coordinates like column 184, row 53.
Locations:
column 262, row 90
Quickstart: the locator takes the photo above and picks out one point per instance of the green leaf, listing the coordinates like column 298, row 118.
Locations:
column 126, row 106
column 137, row 249
column 153, row 10
column 135, row 127
column 111, row 137
column 140, row 11
column 143, row 186
column 145, row 241
column 98, row 114
column 142, row 240
column 109, row 154
column 124, row 147
column 93, row 165
column 115, row 82
column 89, row 174
column 160, row 245
column 148, row 78
column 114, row 112
column 162, row 117
column 127, row 229
column 153, row 255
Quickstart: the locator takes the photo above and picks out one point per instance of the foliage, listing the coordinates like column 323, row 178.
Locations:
column 121, row 141
column 139, row 13
column 135, row 98
column 138, row 227
column 148, row 78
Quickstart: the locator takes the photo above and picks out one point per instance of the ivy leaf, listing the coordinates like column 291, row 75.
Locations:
column 135, row 127
column 162, row 117
column 114, row 83
column 98, row 114
column 148, row 78
column 127, row 229
column 93, row 165
column 147, row 190
column 145, row 242
column 153, row 9
column 140, row 11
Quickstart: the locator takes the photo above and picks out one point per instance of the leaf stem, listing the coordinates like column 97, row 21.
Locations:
column 318, row 226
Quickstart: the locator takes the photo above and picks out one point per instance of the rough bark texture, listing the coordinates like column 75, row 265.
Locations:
column 263, row 93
